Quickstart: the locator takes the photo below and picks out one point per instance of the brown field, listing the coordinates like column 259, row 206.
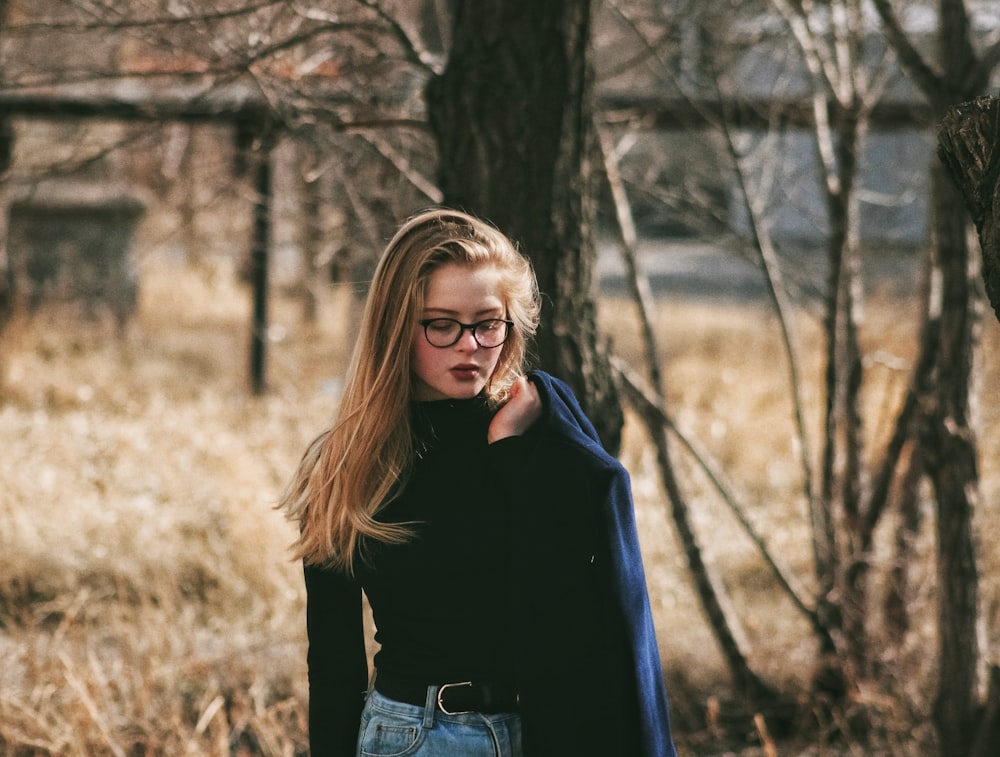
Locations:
column 147, row 603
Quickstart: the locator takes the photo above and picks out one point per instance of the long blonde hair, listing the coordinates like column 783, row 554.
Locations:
column 355, row 467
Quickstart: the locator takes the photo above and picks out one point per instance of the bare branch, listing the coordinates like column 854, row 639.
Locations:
column 650, row 406
column 989, row 59
column 402, row 164
column 924, row 76
column 821, row 63
column 639, row 284
column 777, row 293
column 102, row 24
column 302, row 37
column 415, row 49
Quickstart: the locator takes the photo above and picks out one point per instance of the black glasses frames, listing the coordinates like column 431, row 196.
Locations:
column 445, row 332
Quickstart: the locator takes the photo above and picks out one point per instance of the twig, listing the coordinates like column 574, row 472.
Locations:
column 639, row 284
column 651, row 407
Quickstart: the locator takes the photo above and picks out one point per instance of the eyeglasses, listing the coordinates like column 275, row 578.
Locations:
column 444, row 332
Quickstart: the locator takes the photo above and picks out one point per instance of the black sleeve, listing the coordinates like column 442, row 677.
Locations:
column 508, row 457
column 338, row 666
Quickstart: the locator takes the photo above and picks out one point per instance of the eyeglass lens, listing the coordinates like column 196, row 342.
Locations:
column 444, row 332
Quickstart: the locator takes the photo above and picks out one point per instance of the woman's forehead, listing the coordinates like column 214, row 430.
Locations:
column 459, row 288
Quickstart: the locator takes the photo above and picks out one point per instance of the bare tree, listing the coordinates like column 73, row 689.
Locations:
column 941, row 387
column 831, row 50
column 852, row 495
column 967, row 143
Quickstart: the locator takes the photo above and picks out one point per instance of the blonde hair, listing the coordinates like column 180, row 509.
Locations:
column 354, row 468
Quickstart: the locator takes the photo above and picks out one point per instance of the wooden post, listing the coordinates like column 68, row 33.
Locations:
column 260, row 265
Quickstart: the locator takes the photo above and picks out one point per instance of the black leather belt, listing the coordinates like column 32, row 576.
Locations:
column 453, row 698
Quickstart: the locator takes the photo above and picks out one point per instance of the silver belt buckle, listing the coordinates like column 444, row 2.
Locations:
column 448, row 686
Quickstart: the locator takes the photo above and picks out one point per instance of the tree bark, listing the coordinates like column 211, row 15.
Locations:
column 6, row 154
column 949, row 449
column 511, row 116
column 967, row 145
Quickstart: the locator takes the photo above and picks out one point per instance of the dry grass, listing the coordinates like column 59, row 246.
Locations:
column 147, row 598
column 147, row 605
column 727, row 386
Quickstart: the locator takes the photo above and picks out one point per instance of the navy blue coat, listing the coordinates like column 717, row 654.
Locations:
column 589, row 656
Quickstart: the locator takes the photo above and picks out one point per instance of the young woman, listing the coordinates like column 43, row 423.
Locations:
column 477, row 511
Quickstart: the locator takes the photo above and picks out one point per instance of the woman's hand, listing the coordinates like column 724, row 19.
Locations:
column 523, row 407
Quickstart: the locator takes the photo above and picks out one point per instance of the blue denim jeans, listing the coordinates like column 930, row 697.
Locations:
column 396, row 729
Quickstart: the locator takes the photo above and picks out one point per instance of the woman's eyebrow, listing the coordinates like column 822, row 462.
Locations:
column 450, row 313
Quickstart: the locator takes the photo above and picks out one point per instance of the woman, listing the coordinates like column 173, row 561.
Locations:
column 477, row 511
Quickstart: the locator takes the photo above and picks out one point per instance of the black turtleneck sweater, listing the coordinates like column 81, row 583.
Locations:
column 441, row 600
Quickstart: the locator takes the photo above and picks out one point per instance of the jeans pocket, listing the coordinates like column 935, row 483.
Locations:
column 390, row 735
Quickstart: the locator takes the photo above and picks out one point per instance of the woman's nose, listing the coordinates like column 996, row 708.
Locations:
column 467, row 340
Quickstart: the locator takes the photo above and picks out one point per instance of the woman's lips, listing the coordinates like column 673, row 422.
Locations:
column 465, row 371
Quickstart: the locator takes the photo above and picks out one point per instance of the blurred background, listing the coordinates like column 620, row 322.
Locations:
column 786, row 296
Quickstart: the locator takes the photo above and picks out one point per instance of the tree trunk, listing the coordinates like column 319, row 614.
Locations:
column 511, row 116
column 6, row 154
column 846, row 587
column 942, row 381
column 949, row 450
column 260, row 248
column 967, row 143
column 967, row 148
column 311, row 236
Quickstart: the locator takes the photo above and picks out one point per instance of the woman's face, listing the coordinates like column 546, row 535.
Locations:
column 461, row 371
